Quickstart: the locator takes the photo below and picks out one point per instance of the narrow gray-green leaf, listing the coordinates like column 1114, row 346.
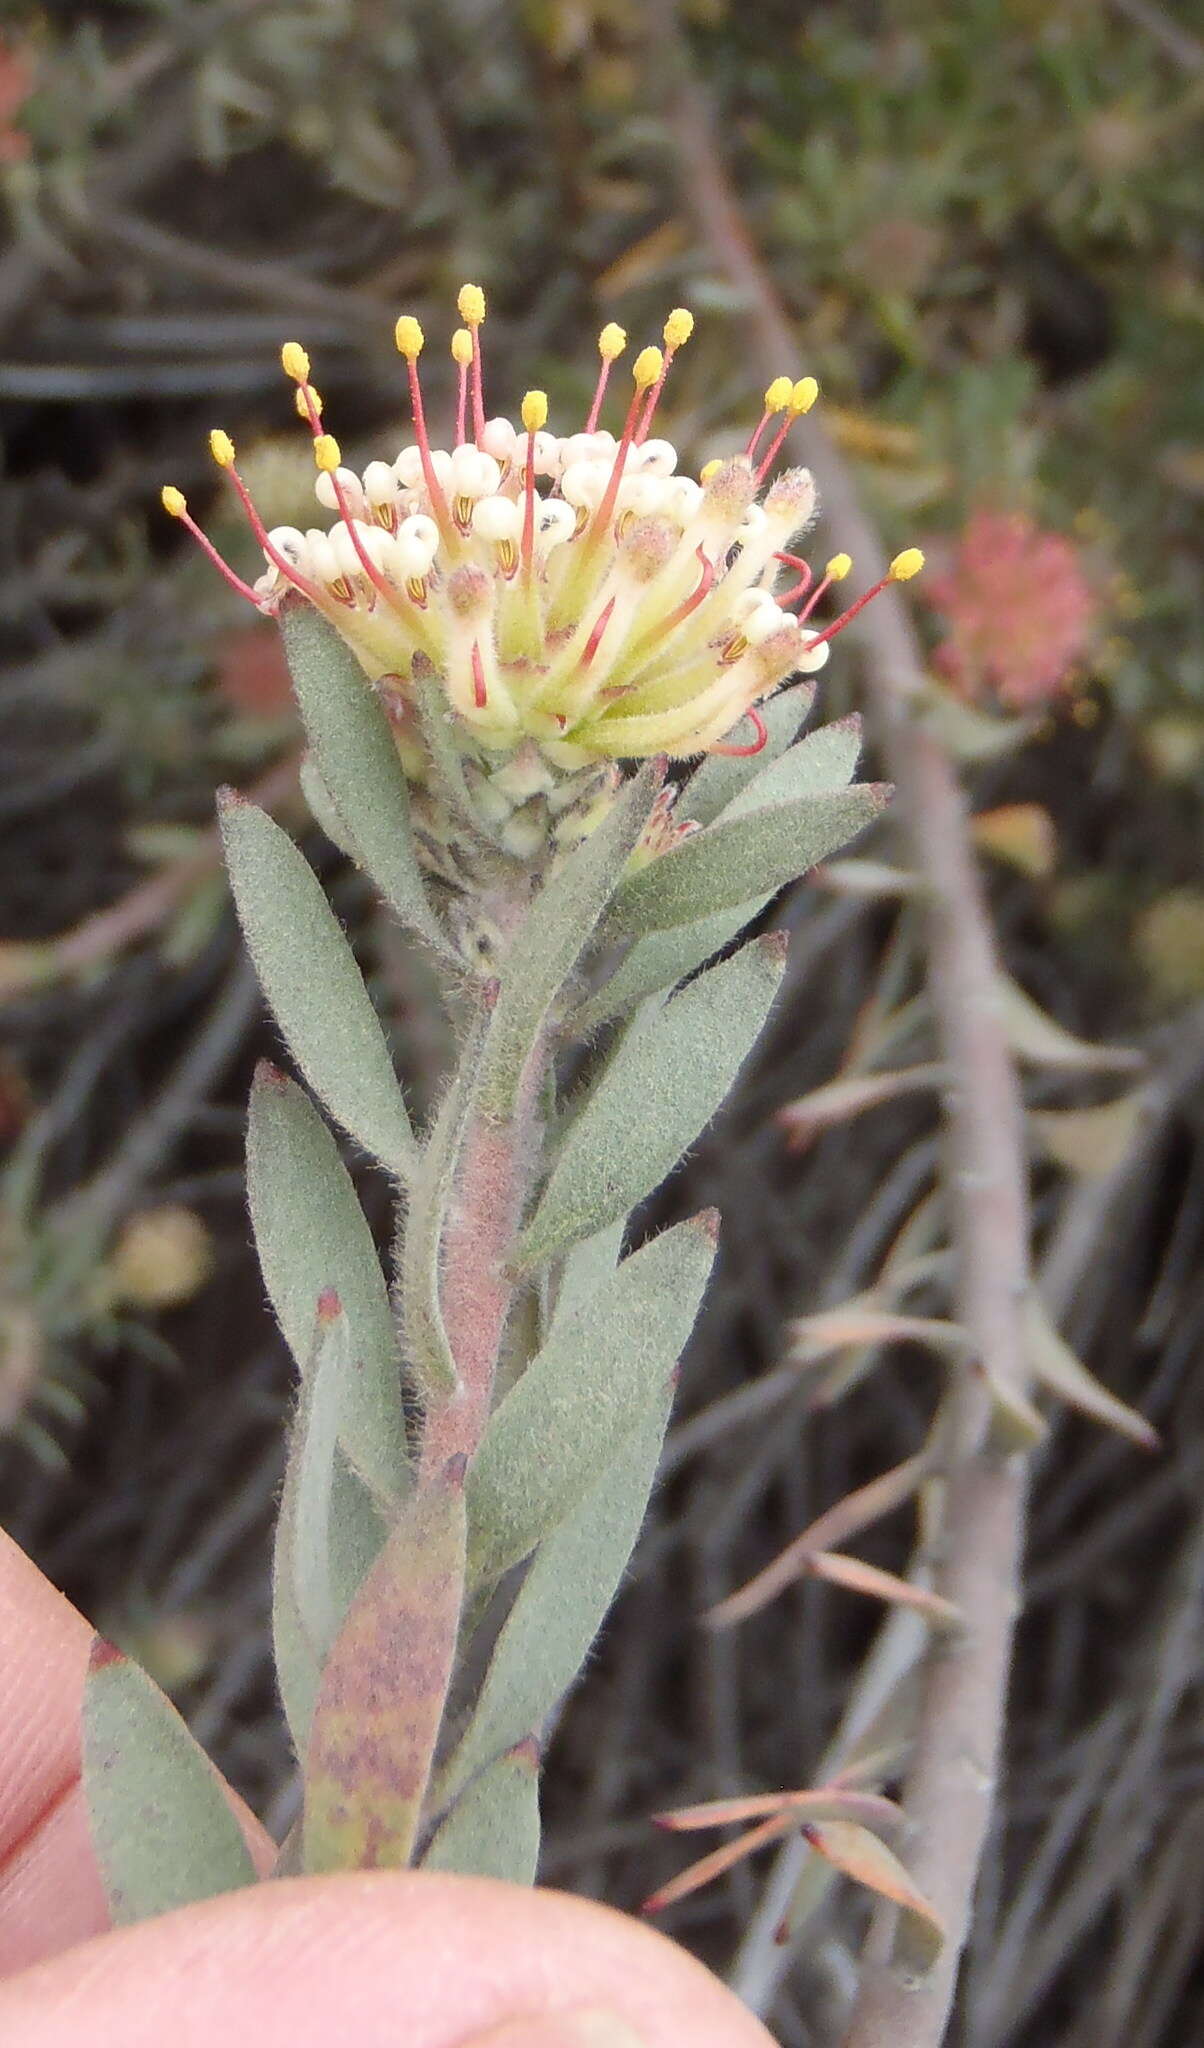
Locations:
column 557, row 930
column 428, row 1351
column 354, row 747
column 743, row 858
column 660, row 960
column 438, row 722
column 161, row 1826
column 493, row 1828
column 720, row 777
column 823, row 761
column 310, row 978
column 562, row 1602
column 356, row 1537
column 304, row 1526
column 322, row 805
column 597, row 1375
column 662, row 1085
column 310, row 1233
column 586, row 1267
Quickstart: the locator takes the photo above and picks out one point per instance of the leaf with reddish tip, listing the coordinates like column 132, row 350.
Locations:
column 718, row 1863
column 740, row 859
column 161, row 1825
column 822, row 1802
column 667, row 1077
column 493, row 1828
column 383, row 1689
column 858, row 1510
column 1056, row 1367
column 310, row 1231
column 859, row 1855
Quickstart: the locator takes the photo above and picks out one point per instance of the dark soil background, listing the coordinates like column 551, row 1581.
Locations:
column 988, row 227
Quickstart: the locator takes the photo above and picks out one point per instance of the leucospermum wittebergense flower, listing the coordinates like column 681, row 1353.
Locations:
column 573, row 590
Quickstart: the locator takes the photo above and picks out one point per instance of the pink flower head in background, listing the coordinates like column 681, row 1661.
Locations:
column 16, row 85
column 1019, row 608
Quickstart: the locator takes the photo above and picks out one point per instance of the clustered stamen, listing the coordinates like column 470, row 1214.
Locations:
column 572, row 590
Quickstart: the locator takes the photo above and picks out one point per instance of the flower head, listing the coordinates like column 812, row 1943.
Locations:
column 574, row 591
column 1019, row 609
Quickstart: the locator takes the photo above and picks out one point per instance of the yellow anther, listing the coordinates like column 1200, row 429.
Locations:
column 221, row 447
column 678, row 327
column 294, row 362
column 906, row 565
column 174, row 501
column 462, row 346
column 647, row 368
column 535, row 411
column 838, row 568
column 803, row 396
column 470, row 304
column 327, row 453
column 777, row 395
column 409, row 337
column 307, row 401
column 710, row 469
column 612, row 341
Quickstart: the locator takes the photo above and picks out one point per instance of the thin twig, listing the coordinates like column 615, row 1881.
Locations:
column 951, row 1779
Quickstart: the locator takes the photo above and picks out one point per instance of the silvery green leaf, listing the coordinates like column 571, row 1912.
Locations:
column 742, row 859
column 556, row 932
column 585, row 1268
column 359, row 762
column 356, row 1537
column 428, row 1351
column 310, row 978
column 322, row 805
column 824, row 760
column 562, row 1602
column 720, row 777
column 310, row 1234
column 161, row 1825
column 669, row 1073
column 493, row 1828
column 592, row 1382
column 660, row 960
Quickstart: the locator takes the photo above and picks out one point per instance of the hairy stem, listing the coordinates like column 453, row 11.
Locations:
column 951, row 1778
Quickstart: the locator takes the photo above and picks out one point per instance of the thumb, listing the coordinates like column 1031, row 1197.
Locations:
column 376, row 1960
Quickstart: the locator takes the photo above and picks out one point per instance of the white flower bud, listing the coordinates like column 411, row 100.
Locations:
column 380, row 484
column 324, row 490
column 811, row 658
column 498, row 438
column 497, row 519
column 554, row 522
column 654, row 458
column 584, row 483
column 473, row 474
column 291, row 543
column 415, row 544
column 681, row 500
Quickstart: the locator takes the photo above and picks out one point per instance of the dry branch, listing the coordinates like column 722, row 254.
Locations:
column 951, row 1779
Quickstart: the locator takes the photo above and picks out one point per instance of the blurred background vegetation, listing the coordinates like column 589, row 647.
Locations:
column 987, row 224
